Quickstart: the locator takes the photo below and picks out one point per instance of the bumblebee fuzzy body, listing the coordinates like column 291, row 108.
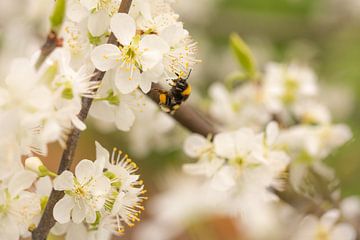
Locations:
column 180, row 91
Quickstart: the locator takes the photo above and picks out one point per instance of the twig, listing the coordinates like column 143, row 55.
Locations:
column 190, row 118
column 47, row 220
column 52, row 41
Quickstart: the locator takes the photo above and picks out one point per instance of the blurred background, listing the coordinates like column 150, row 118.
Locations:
column 324, row 34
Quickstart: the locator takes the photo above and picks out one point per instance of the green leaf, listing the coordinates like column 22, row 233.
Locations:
column 243, row 55
column 58, row 14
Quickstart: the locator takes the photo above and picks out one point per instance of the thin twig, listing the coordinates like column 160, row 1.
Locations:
column 52, row 41
column 189, row 117
column 47, row 220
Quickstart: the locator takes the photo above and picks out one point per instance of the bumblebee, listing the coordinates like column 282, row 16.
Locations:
column 179, row 92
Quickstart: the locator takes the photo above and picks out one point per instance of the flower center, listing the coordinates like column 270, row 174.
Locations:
column 322, row 234
column 291, row 87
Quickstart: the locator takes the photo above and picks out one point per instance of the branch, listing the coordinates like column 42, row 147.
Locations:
column 190, row 118
column 52, row 41
column 47, row 220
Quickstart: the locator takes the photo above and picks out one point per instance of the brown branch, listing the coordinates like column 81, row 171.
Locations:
column 190, row 118
column 47, row 220
column 52, row 41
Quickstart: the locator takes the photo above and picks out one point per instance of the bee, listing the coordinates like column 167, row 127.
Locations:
column 179, row 92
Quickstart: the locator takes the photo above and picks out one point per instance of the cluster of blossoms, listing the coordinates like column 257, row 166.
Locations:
column 152, row 46
column 299, row 134
column 39, row 104
column 274, row 131
column 242, row 163
column 101, row 197
column 288, row 94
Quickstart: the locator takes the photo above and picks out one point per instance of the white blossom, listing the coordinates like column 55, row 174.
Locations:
column 18, row 207
column 327, row 227
column 137, row 61
column 85, row 193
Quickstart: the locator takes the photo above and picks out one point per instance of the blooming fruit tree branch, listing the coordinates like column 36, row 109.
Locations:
column 261, row 143
column 47, row 221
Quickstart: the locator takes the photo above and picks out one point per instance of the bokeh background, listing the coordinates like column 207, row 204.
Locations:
column 324, row 34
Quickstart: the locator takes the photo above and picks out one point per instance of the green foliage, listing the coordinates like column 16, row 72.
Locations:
column 243, row 55
column 58, row 14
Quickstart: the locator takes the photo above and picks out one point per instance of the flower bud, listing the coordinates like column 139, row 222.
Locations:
column 34, row 164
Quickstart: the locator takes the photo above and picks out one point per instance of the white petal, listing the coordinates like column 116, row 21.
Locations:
column 123, row 81
column 77, row 232
column 78, row 213
column 124, row 117
column 124, row 28
column 65, row 181
column 59, row 229
column 44, row 186
column 224, row 179
column 225, row 145
column 62, row 209
column 101, row 186
column 21, row 181
column 154, row 43
column 343, row 231
column 195, row 144
column 105, row 57
column 103, row 110
column 89, row 4
column 101, row 152
column 98, row 23
column 75, row 11
column 16, row 76
column 329, row 218
column 85, row 170
column 145, row 84
column 153, row 49
column 173, row 34
column 272, row 132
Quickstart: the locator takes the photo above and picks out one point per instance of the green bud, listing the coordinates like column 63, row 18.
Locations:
column 243, row 55
column 58, row 15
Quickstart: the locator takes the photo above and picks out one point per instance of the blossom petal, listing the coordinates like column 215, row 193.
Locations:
column 343, row 231
column 78, row 212
column 153, row 49
column 124, row 117
column 272, row 132
column 21, row 181
column 224, row 179
column 195, row 144
column 77, row 231
column 124, row 28
column 329, row 218
column 44, row 186
column 98, row 23
column 105, row 57
column 126, row 83
column 84, row 170
column 101, row 152
column 101, row 186
column 65, row 181
column 145, row 85
column 173, row 34
column 63, row 209
column 75, row 11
